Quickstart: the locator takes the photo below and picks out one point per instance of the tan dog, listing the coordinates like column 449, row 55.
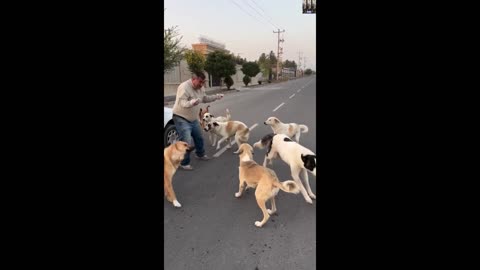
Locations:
column 209, row 118
column 299, row 158
column 172, row 156
column 230, row 129
column 201, row 113
column 290, row 129
column 263, row 179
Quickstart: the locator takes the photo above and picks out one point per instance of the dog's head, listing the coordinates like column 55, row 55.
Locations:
column 271, row 121
column 309, row 162
column 182, row 147
column 201, row 113
column 209, row 126
column 207, row 117
column 245, row 151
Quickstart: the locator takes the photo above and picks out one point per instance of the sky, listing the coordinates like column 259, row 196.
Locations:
column 246, row 26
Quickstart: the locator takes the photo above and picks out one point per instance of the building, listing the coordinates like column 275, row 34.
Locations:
column 206, row 46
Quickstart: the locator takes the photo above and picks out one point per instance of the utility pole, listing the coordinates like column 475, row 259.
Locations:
column 278, row 49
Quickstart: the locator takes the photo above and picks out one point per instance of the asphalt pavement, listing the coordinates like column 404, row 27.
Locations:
column 215, row 230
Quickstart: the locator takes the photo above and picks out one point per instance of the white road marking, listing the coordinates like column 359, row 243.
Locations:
column 298, row 91
column 279, row 106
column 232, row 143
column 292, row 96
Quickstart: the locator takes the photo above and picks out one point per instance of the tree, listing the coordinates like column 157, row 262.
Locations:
column 228, row 81
column 195, row 61
column 290, row 64
column 266, row 63
column 172, row 51
column 238, row 60
column 220, row 64
column 251, row 69
column 246, row 80
column 273, row 63
column 308, row 71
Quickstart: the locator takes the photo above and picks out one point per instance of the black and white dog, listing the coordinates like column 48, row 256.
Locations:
column 299, row 158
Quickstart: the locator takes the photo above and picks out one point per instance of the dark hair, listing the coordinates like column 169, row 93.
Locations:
column 199, row 74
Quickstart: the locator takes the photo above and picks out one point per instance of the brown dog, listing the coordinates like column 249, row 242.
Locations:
column 172, row 156
column 263, row 179
column 201, row 113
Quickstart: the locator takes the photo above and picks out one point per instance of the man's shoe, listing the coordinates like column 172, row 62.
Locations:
column 204, row 157
column 187, row 167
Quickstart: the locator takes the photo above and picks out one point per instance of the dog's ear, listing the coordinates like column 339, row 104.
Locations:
column 215, row 124
column 206, row 110
column 212, row 115
column 240, row 151
column 200, row 113
column 276, row 120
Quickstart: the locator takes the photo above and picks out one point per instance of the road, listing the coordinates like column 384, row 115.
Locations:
column 215, row 230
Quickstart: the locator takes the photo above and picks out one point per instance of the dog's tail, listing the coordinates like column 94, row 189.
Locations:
column 259, row 145
column 244, row 134
column 229, row 116
column 288, row 186
column 265, row 141
column 303, row 128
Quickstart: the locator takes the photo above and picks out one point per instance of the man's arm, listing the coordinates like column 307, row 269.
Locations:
column 184, row 99
column 211, row 98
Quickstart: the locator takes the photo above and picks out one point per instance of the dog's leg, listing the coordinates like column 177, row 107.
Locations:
column 266, row 216
column 210, row 135
column 240, row 188
column 295, row 175
column 229, row 143
column 271, row 155
column 265, row 161
column 307, row 183
column 297, row 136
column 220, row 142
column 274, row 207
column 237, row 140
column 169, row 192
column 215, row 137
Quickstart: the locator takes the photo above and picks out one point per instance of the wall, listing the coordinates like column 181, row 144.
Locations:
column 179, row 74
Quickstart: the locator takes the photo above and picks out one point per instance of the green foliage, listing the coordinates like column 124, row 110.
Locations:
column 172, row 51
column 250, row 69
column 266, row 63
column 246, row 80
column 228, row 81
column 195, row 61
column 290, row 64
column 308, row 71
column 238, row 60
column 220, row 64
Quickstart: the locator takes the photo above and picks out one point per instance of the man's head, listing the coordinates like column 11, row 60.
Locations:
column 198, row 79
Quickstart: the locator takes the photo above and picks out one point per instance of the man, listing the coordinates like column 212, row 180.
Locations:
column 185, row 115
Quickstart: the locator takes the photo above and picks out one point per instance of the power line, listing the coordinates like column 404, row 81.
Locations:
column 245, row 11
column 259, row 14
column 263, row 11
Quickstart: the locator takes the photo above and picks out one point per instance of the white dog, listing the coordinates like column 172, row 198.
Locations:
column 209, row 118
column 290, row 129
column 298, row 157
column 229, row 129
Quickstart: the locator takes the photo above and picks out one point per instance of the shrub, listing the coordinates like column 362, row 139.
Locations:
column 246, row 80
column 228, row 81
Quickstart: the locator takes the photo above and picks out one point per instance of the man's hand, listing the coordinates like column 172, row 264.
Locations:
column 219, row 96
column 194, row 101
